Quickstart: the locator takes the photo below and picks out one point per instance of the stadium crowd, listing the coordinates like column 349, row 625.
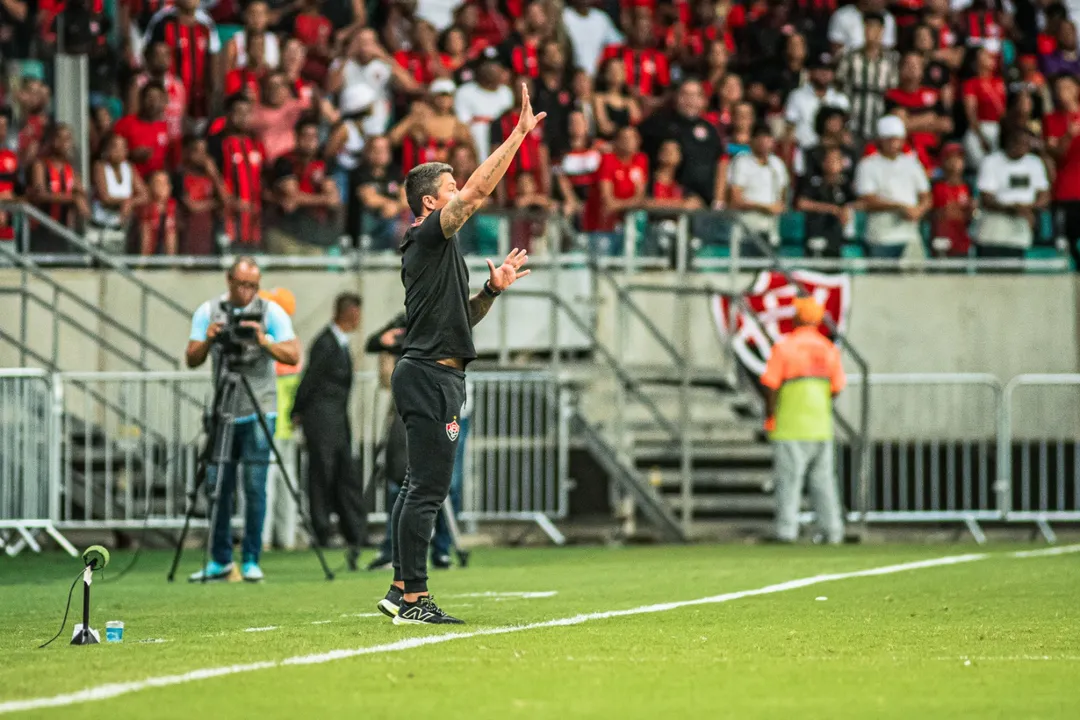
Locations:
column 278, row 125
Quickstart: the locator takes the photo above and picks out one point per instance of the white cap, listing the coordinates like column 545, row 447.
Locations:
column 443, row 86
column 891, row 126
column 356, row 98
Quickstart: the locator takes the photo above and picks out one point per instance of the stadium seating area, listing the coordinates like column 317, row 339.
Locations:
column 288, row 127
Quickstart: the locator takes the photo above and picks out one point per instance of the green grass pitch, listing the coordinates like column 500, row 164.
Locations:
column 996, row 637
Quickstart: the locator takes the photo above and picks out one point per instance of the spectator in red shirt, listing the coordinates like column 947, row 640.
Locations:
column 533, row 157
column 666, row 192
column 716, row 68
column 158, row 70
column 249, row 78
column 984, row 106
column 313, row 29
column 687, row 46
column 521, row 52
column 157, row 219
column 240, row 158
column 198, row 188
column 646, row 66
column 424, row 62
column 938, row 71
column 147, row 134
column 576, row 172
column 1054, row 15
column 9, row 176
column 56, row 189
column 1062, row 132
column 920, row 108
column 305, row 198
column 953, row 205
column 622, row 181
column 196, row 46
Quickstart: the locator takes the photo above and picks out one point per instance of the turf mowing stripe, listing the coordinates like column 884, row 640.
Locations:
column 105, row 692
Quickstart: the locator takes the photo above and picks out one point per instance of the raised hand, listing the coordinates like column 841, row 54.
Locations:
column 527, row 121
column 504, row 276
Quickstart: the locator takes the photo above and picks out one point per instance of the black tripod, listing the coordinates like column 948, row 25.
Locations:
column 219, row 438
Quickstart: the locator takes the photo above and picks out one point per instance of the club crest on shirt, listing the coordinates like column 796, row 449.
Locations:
column 452, row 430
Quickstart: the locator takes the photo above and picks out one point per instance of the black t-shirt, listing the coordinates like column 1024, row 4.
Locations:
column 821, row 224
column 557, row 103
column 436, row 282
column 702, row 148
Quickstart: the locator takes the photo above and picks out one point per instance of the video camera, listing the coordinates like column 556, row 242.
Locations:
column 235, row 339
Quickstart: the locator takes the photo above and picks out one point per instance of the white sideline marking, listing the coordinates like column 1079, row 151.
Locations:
column 321, row 622
column 523, row 595
column 1056, row 550
column 261, row 629
column 105, row 692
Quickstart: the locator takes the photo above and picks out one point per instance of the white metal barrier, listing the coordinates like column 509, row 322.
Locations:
column 127, row 444
column 27, row 440
column 934, row 454
column 1041, row 434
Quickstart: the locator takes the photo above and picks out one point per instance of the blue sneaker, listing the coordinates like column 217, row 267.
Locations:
column 214, row 571
column 251, row 572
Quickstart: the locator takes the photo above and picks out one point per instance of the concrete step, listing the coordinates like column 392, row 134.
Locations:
column 709, row 451
column 712, row 479
column 728, row 505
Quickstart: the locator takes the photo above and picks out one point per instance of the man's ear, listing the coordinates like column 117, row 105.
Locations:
column 429, row 202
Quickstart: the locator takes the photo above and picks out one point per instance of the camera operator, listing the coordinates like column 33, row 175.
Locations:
column 250, row 333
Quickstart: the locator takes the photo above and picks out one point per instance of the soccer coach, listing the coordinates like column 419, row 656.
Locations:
column 429, row 380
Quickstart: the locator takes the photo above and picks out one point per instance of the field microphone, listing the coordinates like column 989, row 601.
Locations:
column 94, row 558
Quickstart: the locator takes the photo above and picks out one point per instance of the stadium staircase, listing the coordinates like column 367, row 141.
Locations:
column 92, row 456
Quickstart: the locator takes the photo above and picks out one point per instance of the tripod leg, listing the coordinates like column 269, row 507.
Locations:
column 455, row 536
column 286, row 476
column 193, row 497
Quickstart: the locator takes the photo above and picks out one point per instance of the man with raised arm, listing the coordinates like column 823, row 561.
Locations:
column 429, row 380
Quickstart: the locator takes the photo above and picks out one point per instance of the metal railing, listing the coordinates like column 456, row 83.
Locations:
column 934, row 452
column 1039, row 472
column 131, row 344
column 28, row 501
column 697, row 241
column 127, row 446
column 948, row 448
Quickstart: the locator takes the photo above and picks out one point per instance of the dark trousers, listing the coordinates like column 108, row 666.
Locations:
column 333, row 485
column 1067, row 214
column 395, row 476
column 429, row 397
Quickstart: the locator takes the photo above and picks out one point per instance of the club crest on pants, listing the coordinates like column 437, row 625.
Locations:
column 452, row 429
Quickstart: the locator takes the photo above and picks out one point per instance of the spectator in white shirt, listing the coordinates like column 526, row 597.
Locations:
column 369, row 64
column 1013, row 188
column 801, row 109
column 894, row 190
column 757, row 184
column 590, row 31
column 478, row 103
column 846, row 26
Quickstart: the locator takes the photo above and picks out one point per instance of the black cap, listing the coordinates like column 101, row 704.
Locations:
column 873, row 17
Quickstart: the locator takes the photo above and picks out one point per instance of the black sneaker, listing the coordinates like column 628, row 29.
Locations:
column 424, row 612
column 352, row 559
column 381, row 562
column 440, row 562
column 390, row 604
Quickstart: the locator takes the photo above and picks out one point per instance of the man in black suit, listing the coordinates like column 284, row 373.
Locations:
column 322, row 409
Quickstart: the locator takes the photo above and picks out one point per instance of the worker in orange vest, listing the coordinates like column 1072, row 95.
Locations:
column 801, row 378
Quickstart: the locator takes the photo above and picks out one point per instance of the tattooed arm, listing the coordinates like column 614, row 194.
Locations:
column 469, row 198
column 479, row 304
